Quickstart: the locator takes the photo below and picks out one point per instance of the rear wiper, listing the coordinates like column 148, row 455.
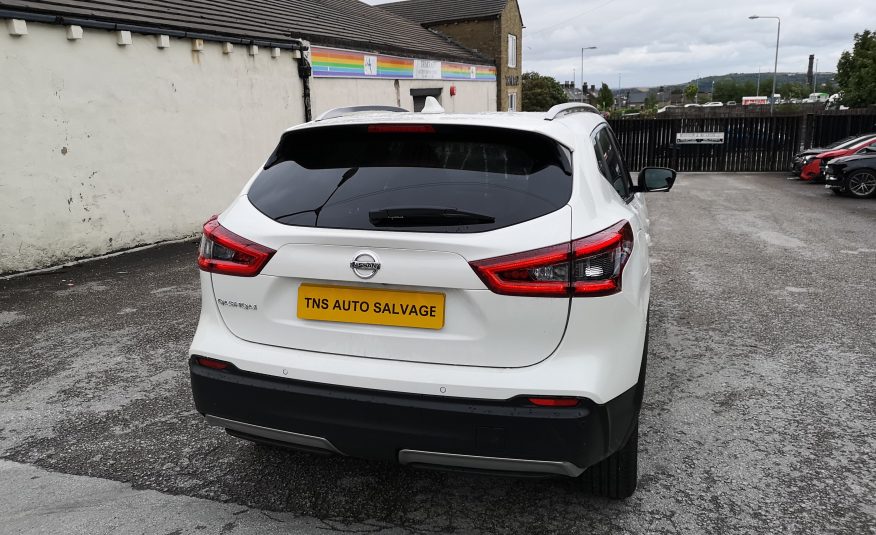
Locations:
column 426, row 217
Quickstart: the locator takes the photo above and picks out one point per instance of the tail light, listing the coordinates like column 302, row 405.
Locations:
column 590, row 266
column 223, row 251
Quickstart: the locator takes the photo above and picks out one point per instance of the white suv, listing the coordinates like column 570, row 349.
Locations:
column 440, row 290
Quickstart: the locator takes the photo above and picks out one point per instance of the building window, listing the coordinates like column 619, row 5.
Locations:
column 419, row 95
column 512, row 101
column 512, row 50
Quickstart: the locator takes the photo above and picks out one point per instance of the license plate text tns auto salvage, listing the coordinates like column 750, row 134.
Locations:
column 374, row 307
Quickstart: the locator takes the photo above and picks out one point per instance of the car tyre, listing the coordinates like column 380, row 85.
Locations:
column 616, row 476
column 862, row 184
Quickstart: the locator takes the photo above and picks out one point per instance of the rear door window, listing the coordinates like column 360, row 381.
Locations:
column 611, row 162
column 417, row 178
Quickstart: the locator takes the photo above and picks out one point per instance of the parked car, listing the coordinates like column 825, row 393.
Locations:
column 854, row 176
column 812, row 169
column 402, row 286
column 800, row 159
column 713, row 104
column 669, row 107
column 731, row 103
column 692, row 105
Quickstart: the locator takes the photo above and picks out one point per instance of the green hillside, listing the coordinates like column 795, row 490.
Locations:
column 765, row 78
column 734, row 86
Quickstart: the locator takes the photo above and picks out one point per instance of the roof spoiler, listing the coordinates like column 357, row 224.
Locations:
column 340, row 112
column 561, row 110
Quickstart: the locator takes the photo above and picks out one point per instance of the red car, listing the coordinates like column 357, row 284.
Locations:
column 813, row 168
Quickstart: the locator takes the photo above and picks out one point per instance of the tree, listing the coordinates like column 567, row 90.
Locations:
column 766, row 85
column 726, row 90
column 650, row 101
column 690, row 92
column 856, row 71
column 793, row 90
column 605, row 98
column 541, row 92
column 828, row 88
column 749, row 89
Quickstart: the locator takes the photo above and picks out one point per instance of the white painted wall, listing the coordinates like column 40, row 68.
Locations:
column 104, row 147
column 330, row 93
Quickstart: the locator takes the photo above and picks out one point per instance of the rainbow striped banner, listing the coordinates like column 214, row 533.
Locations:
column 337, row 63
column 462, row 71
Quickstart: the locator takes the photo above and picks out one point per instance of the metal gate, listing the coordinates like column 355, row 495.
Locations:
column 751, row 143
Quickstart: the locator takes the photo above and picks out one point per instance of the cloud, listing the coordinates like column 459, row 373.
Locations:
column 658, row 42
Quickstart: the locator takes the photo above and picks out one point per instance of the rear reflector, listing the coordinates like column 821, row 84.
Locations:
column 554, row 402
column 590, row 266
column 212, row 363
column 224, row 252
column 401, row 128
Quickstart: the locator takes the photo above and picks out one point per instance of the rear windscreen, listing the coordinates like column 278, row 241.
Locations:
column 422, row 178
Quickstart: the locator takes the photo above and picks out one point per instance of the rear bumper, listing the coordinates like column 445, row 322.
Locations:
column 483, row 435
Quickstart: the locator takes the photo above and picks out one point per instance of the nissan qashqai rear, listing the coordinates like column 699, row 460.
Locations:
column 462, row 292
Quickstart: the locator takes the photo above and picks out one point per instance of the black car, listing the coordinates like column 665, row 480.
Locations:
column 803, row 157
column 854, row 175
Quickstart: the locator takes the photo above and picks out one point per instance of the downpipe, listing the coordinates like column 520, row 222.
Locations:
column 305, row 71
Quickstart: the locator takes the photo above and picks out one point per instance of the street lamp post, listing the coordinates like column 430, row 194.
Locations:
column 584, row 89
column 758, row 82
column 617, row 100
column 776, row 64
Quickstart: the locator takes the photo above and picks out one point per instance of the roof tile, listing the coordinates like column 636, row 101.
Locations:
column 428, row 12
column 343, row 23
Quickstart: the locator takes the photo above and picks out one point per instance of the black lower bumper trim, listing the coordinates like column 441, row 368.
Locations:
column 378, row 425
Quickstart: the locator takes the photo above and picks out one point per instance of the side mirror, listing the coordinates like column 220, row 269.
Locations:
column 656, row 179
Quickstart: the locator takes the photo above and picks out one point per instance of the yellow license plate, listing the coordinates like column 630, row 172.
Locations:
column 423, row 310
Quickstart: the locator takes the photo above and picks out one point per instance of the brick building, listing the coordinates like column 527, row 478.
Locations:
column 493, row 28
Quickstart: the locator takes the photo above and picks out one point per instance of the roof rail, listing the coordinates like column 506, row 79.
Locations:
column 561, row 110
column 339, row 112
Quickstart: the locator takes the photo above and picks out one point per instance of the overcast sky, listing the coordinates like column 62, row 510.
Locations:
column 654, row 42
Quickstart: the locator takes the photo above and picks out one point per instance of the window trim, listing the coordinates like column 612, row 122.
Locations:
column 632, row 187
column 512, row 54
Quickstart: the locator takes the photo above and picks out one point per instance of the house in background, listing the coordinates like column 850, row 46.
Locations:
column 493, row 28
column 591, row 95
column 573, row 92
column 636, row 97
column 577, row 94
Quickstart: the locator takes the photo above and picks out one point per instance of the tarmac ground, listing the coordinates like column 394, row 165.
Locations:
column 759, row 412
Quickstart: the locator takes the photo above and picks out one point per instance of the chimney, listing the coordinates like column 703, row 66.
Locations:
column 809, row 72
